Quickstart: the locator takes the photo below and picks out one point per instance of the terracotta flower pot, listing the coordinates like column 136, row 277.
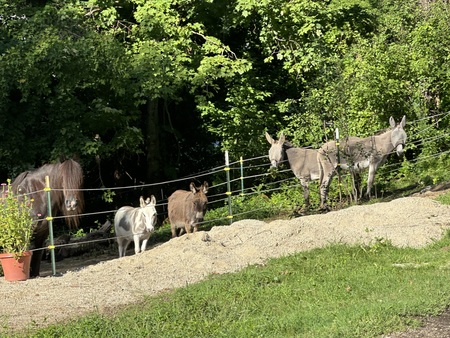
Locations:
column 16, row 269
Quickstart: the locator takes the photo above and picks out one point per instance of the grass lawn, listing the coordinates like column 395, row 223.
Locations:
column 338, row 291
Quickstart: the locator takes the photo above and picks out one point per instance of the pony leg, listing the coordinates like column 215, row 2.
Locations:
column 37, row 243
column 35, row 265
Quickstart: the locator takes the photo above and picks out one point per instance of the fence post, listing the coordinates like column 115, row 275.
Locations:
column 338, row 164
column 241, row 161
column 49, row 219
column 227, row 170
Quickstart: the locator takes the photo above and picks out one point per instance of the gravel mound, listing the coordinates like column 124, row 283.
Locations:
column 409, row 221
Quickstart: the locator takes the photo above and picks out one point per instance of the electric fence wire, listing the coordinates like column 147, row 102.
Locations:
column 252, row 190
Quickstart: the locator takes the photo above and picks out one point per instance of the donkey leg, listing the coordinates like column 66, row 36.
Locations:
column 371, row 179
column 324, row 193
column 327, row 171
column 357, row 188
column 305, row 185
column 324, row 187
column 123, row 245
column 353, row 192
column 189, row 227
column 137, row 248
column 144, row 244
column 173, row 229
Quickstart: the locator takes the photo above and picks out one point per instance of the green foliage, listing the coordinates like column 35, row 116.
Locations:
column 108, row 196
column 368, row 291
column 16, row 221
column 79, row 233
column 260, row 204
column 78, row 78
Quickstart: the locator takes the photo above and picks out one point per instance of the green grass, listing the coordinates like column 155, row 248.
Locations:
column 444, row 199
column 338, row 291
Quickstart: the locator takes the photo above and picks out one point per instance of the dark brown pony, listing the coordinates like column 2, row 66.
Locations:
column 66, row 180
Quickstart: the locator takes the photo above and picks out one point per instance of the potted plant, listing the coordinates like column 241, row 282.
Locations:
column 15, row 233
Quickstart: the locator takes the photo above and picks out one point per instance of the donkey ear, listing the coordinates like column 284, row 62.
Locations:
column 205, row 187
column 152, row 200
column 269, row 138
column 403, row 122
column 142, row 202
column 392, row 122
column 282, row 138
column 192, row 187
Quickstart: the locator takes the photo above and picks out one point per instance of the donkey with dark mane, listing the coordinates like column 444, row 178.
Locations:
column 303, row 162
column 187, row 209
column 66, row 180
column 357, row 154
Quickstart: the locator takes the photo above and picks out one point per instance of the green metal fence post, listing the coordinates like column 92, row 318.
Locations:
column 49, row 219
column 227, row 170
column 241, row 161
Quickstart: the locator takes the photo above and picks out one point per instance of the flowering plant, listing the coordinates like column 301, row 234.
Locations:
column 16, row 221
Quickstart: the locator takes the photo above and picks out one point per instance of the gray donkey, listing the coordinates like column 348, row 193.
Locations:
column 357, row 154
column 303, row 162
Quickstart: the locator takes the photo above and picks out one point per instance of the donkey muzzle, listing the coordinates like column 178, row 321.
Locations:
column 399, row 150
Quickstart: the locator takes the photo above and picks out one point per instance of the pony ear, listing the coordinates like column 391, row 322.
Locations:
column 205, row 187
column 142, row 202
column 269, row 138
column 403, row 122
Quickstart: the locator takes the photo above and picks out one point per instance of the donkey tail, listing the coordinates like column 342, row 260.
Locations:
column 320, row 166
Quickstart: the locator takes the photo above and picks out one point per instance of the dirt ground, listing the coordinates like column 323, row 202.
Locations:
column 104, row 282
